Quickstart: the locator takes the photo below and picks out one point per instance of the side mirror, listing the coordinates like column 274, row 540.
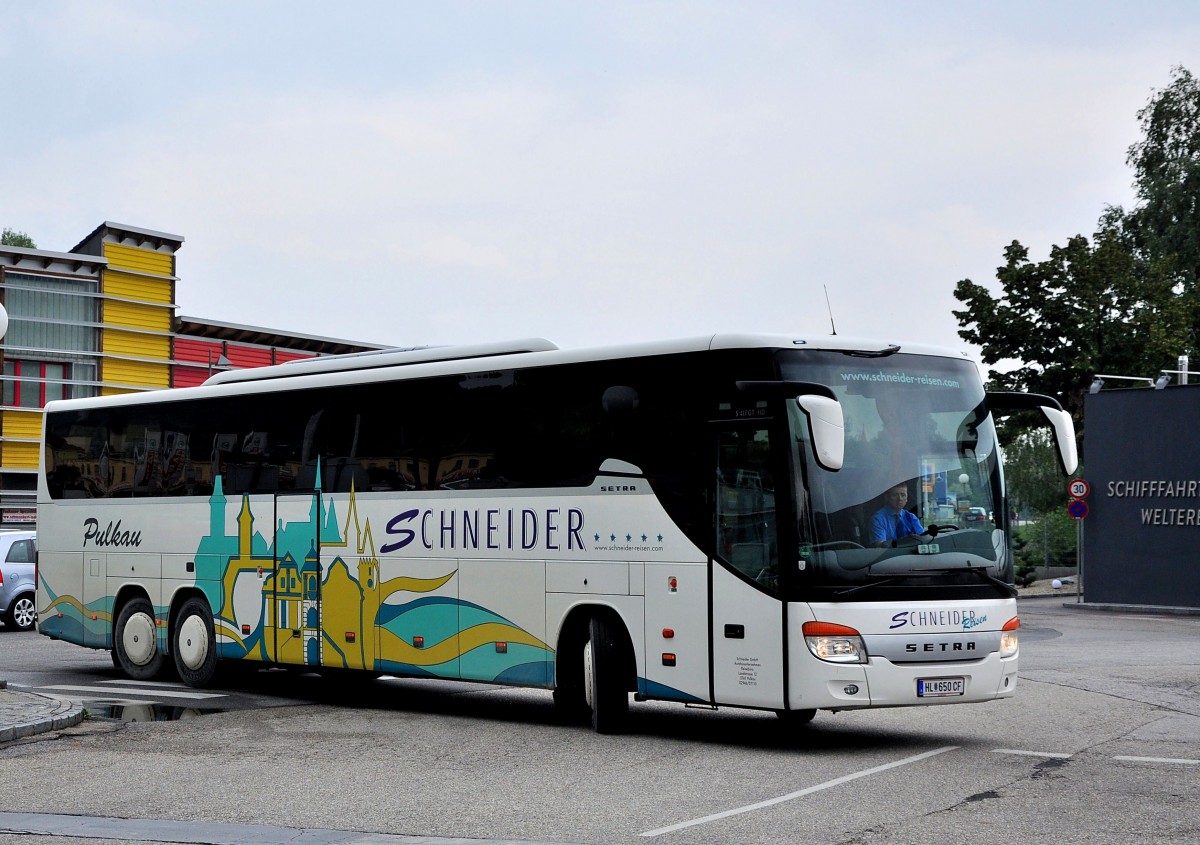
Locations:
column 828, row 429
column 1064, row 437
column 1060, row 421
column 820, row 407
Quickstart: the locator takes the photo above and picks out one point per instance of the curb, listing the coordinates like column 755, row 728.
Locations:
column 25, row 714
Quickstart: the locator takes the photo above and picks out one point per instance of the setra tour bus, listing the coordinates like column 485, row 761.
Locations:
column 743, row 521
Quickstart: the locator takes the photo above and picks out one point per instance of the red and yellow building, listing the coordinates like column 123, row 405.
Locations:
column 101, row 319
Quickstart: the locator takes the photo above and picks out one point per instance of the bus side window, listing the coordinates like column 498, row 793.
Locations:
column 746, row 526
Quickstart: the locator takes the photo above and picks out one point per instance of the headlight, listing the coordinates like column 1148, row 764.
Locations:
column 1008, row 637
column 834, row 643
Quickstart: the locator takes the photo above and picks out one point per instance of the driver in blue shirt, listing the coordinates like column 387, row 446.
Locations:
column 892, row 522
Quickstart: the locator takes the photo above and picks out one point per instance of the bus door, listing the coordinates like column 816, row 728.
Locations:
column 747, row 611
column 297, row 593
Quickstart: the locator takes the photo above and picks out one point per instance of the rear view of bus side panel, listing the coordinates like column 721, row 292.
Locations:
column 62, row 614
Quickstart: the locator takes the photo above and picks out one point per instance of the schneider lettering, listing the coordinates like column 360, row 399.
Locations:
column 966, row 619
column 492, row 528
column 111, row 537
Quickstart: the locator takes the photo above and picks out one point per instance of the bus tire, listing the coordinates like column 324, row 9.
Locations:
column 604, row 677
column 135, row 640
column 192, row 643
column 570, row 705
column 796, row 718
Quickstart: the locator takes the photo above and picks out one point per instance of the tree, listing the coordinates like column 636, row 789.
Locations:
column 1031, row 471
column 1166, row 163
column 1089, row 308
column 1128, row 301
column 11, row 238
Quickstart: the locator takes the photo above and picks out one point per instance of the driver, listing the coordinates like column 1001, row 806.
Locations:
column 892, row 522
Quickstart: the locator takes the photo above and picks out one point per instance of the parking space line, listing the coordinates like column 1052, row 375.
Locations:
column 1182, row 761
column 799, row 793
column 108, row 691
column 1055, row 754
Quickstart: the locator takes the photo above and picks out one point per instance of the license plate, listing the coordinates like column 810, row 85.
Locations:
column 933, row 687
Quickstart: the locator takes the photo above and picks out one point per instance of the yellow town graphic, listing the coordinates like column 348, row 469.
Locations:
column 335, row 622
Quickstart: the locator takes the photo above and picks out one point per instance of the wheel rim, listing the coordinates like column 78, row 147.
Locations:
column 589, row 682
column 137, row 639
column 23, row 613
column 193, row 642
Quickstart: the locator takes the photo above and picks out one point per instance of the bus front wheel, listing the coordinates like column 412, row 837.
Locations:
column 604, row 685
column 135, row 641
column 193, row 644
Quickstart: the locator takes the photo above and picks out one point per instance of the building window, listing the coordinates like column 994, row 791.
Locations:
column 31, row 384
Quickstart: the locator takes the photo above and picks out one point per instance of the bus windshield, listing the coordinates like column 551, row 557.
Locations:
column 918, row 497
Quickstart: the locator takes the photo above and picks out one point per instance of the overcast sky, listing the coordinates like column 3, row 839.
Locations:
column 591, row 173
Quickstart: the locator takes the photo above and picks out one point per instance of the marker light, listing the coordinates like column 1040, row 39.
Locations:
column 1008, row 637
column 834, row 643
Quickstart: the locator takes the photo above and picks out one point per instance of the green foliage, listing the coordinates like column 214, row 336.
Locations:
column 1127, row 302
column 1026, row 572
column 1089, row 308
column 1032, row 473
column 13, row 238
column 1166, row 223
column 1051, row 539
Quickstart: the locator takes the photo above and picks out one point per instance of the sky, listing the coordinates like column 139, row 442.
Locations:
column 428, row 173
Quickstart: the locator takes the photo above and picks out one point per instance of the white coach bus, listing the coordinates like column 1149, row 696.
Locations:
column 772, row 523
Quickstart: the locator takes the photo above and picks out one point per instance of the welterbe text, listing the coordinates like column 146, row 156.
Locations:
column 1170, row 516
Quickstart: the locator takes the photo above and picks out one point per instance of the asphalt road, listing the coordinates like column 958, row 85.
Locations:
column 1100, row 745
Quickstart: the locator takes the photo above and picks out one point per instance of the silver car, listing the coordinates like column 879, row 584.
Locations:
column 18, row 555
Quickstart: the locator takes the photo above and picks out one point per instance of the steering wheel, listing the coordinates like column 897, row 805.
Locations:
column 940, row 528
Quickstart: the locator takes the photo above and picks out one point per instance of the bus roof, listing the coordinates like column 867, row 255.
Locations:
column 380, row 358
column 443, row 360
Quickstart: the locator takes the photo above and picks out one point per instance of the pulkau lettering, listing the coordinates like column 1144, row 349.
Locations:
column 112, row 536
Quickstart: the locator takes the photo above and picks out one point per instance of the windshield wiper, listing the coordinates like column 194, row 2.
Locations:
column 878, row 580
column 1004, row 587
column 872, row 353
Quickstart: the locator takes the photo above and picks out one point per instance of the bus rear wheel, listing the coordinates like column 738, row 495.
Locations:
column 604, row 687
column 192, row 643
column 135, row 641
column 796, row 718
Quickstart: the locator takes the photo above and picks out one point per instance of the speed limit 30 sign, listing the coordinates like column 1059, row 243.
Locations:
column 1078, row 488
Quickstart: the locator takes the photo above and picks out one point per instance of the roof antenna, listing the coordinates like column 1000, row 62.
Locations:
column 830, row 307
